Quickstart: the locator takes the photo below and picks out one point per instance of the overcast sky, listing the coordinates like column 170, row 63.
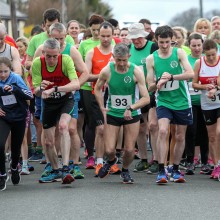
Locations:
column 155, row 10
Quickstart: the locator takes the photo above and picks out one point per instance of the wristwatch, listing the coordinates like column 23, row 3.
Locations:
column 129, row 108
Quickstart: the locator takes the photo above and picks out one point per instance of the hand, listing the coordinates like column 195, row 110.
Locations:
column 44, row 84
column 161, row 82
column 8, row 88
column 2, row 113
column 211, row 93
column 46, row 93
column 166, row 75
column 127, row 115
column 209, row 87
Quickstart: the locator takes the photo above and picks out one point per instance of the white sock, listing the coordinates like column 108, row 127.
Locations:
column 24, row 163
column 99, row 160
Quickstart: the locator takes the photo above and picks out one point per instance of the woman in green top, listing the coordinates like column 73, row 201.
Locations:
column 196, row 134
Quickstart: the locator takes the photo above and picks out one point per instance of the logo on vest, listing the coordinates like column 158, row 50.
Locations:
column 173, row 64
column 127, row 79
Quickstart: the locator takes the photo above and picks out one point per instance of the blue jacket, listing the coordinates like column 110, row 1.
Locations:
column 14, row 103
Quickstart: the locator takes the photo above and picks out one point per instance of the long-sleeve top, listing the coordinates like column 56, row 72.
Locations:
column 14, row 103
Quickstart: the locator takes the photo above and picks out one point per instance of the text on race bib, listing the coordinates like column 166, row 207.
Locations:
column 9, row 100
column 193, row 91
column 170, row 86
column 120, row 101
column 215, row 98
column 57, row 95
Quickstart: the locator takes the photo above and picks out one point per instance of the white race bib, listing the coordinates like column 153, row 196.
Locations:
column 9, row 100
column 121, row 101
column 57, row 95
column 215, row 99
column 193, row 91
column 170, row 86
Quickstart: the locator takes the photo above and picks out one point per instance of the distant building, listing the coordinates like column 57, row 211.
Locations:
column 5, row 15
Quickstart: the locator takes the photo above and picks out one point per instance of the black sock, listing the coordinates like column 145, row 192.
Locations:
column 124, row 170
column 155, row 161
column 161, row 167
column 112, row 162
column 175, row 167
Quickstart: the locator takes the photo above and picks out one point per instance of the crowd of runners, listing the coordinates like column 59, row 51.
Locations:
column 114, row 91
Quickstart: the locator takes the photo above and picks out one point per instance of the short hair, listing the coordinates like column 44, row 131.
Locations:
column 182, row 30
column 37, row 29
column 209, row 44
column 145, row 21
column 202, row 20
column 95, row 19
column 121, row 49
column 72, row 21
column 6, row 61
column 214, row 18
column 106, row 25
column 164, row 31
column 113, row 22
column 57, row 26
column 196, row 36
column 51, row 14
column 51, row 43
column 215, row 35
column 23, row 40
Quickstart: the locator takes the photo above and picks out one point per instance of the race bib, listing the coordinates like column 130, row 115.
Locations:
column 9, row 100
column 57, row 95
column 215, row 99
column 193, row 91
column 170, row 86
column 120, row 101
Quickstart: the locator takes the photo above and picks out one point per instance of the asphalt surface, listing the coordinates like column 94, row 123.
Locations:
column 108, row 198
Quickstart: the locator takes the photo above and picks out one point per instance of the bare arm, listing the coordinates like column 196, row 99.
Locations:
column 80, row 65
column 16, row 63
column 28, row 62
column 38, row 52
column 150, row 73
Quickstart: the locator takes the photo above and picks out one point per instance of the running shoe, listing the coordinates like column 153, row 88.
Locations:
column 30, row 167
column 67, row 178
column 98, row 167
column 115, row 169
column 141, row 166
column 36, row 157
column 90, row 163
column 217, row 172
column 169, row 169
column 78, row 174
column 43, row 160
column 25, row 170
column 53, row 176
column 162, row 177
column 105, row 170
column 183, row 164
column 47, row 170
column 3, row 180
column 177, row 177
column 154, row 168
column 15, row 176
column 71, row 166
column 197, row 162
column 190, row 169
column 206, row 169
column 211, row 163
column 127, row 179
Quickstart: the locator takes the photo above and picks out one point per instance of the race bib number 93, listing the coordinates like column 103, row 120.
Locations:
column 121, row 101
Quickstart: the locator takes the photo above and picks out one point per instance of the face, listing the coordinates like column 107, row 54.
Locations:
column 2, row 39
column 216, row 24
column 211, row 55
column 73, row 29
column 47, row 24
column 196, row 47
column 203, row 28
column 164, row 44
column 116, row 32
column 105, row 36
column 139, row 42
column 4, row 72
column 147, row 27
column 51, row 56
column 95, row 31
column 179, row 39
column 121, row 62
column 21, row 48
column 60, row 36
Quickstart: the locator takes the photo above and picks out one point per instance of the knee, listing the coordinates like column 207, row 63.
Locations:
column 63, row 128
column 72, row 131
column 153, row 126
column 212, row 138
column 180, row 137
column 162, row 133
column 49, row 143
column 100, row 130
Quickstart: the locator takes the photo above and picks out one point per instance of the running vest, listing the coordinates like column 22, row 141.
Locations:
column 123, row 91
column 208, row 75
column 99, row 61
column 138, row 57
column 6, row 52
column 174, row 94
column 56, row 76
column 194, row 93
